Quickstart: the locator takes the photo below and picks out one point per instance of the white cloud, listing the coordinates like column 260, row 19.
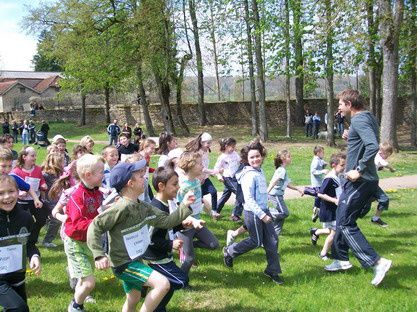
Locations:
column 16, row 48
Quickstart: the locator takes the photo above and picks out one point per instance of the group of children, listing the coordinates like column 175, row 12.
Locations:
column 110, row 215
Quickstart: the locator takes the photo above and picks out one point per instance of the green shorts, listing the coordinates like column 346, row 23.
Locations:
column 79, row 258
column 134, row 276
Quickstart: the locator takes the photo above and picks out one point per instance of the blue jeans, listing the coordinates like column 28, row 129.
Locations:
column 208, row 188
column 230, row 186
column 355, row 196
column 113, row 139
column 260, row 234
column 13, row 298
column 25, row 138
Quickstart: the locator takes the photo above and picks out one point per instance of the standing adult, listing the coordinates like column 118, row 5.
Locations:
column 340, row 120
column 44, row 130
column 316, row 125
column 127, row 130
column 359, row 188
column 15, row 130
column 113, row 130
column 137, row 131
column 32, row 132
column 6, row 127
column 308, row 123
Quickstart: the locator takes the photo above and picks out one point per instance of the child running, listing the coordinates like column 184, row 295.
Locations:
column 202, row 144
column 159, row 252
column 257, row 216
column 127, row 225
column 385, row 151
column 317, row 173
column 191, row 165
column 81, row 209
column 228, row 163
column 329, row 193
column 276, row 189
column 16, row 244
column 27, row 169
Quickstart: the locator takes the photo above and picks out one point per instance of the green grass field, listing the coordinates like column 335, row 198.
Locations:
column 244, row 288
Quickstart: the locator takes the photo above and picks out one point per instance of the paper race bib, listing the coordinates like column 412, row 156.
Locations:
column 13, row 252
column 137, row 242
column 11, row 258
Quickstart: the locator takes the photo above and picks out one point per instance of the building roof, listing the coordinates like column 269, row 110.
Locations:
column 46, row 83
column 15, row 75
column 7, row 85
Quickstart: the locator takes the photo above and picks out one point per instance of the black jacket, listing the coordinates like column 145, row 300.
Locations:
column 160, row 246
column 17, row 221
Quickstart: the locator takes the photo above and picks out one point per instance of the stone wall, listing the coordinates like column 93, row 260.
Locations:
column 230, row 113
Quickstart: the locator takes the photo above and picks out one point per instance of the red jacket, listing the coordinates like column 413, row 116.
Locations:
column 81, row 210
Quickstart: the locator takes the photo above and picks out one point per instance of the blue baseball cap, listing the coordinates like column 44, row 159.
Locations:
column 122, row 172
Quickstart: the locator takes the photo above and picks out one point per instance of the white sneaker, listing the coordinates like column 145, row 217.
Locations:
column 380, row 269
column 338, row 265
column 229, row 238
column 49, row 245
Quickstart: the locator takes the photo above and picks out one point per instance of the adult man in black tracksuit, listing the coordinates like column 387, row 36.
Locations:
column 359, row 187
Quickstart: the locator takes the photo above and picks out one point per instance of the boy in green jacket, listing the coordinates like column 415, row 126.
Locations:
column 127, row 225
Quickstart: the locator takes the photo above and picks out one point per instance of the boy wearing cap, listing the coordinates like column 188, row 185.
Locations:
column 81, row 209
column 127, row 225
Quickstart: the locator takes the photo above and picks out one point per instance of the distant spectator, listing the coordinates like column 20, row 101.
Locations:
column 308, row 123
column 32, row 132
column 340, row 120
column 32, row 110
column 113, row 130
column 45, row 128
column 15, row 130
column 127, row 130
column 6, row 127
column 25, row 132
column 137, row 131
column 316, row 125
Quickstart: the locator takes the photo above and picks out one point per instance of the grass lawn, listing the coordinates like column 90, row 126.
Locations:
column 244, row 288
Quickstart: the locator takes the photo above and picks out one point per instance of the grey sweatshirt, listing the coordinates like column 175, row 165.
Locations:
column 363, row 145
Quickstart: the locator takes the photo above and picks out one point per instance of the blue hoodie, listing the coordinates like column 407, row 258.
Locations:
column 254, row 189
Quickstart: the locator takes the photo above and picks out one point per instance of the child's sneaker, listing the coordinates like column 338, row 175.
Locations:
column 314, row 237
column 71, row 308
column 380, row 270
column 338, row 265
column 378, row 221
column 324, row 257
column 228, row 260
column 275, row 278
column 315, row 214
column 229, row 238
column 49, row 245
column 90, row 299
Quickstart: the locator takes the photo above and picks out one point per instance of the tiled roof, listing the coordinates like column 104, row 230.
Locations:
column 11, row 74
column 46, row 83
column 7, row 85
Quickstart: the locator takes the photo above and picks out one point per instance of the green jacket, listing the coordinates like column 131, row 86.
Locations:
column 126, row 223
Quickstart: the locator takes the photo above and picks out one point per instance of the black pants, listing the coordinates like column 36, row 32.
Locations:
column 208, row 188
column 39, row 214
column 13, row 298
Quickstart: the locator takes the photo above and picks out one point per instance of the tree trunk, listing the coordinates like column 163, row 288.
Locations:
column 164, row 92
column 299, row 62
column 179, row 81
column 287, row 67
column 249, row 47
column 83, row 108
column 107, row 103
column 263, row 128
column 329, row 73
column 391, row 19
column 372, row 30
column 413, row 74
column 200, row 78
column 141, row 98
column 214, row 42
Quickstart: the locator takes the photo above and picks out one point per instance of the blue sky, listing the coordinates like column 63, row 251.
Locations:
column 16, row 47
